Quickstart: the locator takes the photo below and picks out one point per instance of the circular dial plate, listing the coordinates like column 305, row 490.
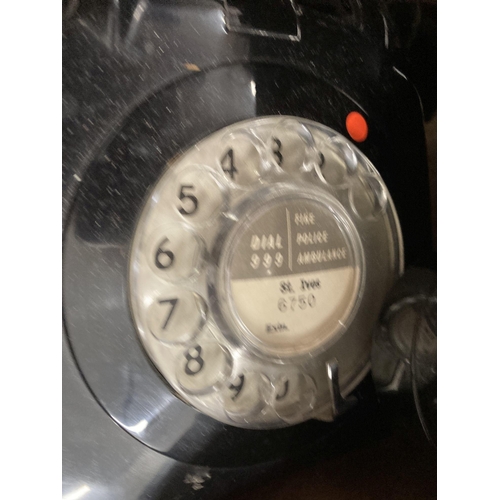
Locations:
column 247, row 270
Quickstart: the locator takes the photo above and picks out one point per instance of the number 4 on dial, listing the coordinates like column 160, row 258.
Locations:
column 227, row 163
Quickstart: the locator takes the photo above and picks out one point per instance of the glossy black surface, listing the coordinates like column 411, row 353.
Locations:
column 275, row 18
column 143, row 81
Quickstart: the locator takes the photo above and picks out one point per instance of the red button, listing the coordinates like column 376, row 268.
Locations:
column 356, row 126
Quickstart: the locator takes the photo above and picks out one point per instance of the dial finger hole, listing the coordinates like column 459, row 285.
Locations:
column 331, row 164
column 197, row 194
column 293, row 396
column 175, row 252
column 177, row 316
column 245, row 394
column 340, row 145
column 240, row 158
column 203, row 366
column 367, row 196
column 291, row 147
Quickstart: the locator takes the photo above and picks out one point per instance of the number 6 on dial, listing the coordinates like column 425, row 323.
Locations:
column 164, row 258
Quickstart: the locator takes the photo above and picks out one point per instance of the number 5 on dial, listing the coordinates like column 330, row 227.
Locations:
column 183, row 194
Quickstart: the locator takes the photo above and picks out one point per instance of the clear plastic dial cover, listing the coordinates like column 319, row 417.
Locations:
column 249, row 265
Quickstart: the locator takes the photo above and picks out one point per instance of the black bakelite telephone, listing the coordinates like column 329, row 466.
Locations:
column 244, row 183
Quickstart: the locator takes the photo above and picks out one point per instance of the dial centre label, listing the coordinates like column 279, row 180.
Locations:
column 293, row 275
